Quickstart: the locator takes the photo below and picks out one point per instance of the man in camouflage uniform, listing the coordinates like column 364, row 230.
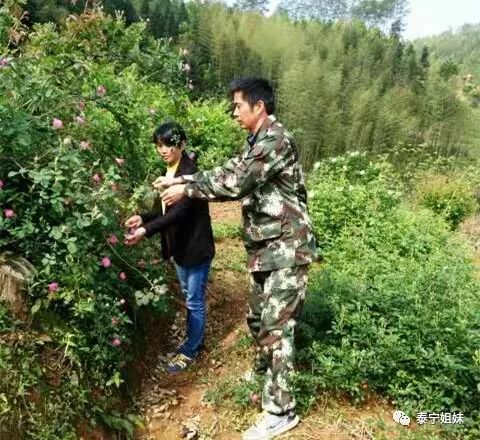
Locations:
column 278, row 238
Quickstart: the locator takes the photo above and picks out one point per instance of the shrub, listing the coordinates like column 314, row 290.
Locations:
column 212, row 134
column 77, row 111
column 348, row 190
column 451, row 197
column 395, row 306
column 78, row 107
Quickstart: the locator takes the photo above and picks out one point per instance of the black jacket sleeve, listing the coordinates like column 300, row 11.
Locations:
column 147, row 217
column 179, row 211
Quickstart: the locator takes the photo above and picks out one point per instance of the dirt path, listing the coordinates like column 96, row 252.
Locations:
column 180, row 406
column 173, row 405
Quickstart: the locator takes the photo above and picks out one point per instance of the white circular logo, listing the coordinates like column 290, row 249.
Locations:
column 401, row 417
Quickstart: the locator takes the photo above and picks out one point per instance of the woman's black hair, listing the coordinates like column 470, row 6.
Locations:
column 170, row 134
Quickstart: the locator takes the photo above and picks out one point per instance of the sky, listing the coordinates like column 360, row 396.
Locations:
column 430, row 17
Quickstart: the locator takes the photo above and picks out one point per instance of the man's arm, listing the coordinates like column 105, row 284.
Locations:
column 241, row 175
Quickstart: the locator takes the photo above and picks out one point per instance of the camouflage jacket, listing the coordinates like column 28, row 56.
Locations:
column 277, row 231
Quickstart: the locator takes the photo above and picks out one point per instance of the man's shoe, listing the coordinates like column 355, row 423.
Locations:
column 178, row 363
column 271, row 425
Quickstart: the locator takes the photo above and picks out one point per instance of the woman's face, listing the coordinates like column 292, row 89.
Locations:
column 170, row 155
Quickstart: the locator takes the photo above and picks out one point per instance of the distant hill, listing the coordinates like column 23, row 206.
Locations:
column 461, row 46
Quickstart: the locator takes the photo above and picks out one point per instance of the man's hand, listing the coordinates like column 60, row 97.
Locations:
column 135, row 221
column 165, row 182
column 173, row 194
column 135, row 237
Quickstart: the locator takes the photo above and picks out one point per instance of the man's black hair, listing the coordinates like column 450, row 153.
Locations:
column 254, row 90
column 170, row 134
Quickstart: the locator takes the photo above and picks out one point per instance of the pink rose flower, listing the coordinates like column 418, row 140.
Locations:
column 85, row 145
column 106, row 262
column 112, row 239
column 57, row 124
column 122, row 276
column 53, row 287
column 120, row 161
column 4, row 62
column 97, row 178
column 9, row 213
column 101, row 90
column 116, row 342
column 79, row 120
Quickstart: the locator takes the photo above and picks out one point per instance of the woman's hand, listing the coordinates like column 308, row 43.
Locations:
column 165, row 182
column 135, row 237
column 135, row 221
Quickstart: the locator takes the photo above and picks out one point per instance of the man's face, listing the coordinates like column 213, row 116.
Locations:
column 170, row 155
column 246, row 115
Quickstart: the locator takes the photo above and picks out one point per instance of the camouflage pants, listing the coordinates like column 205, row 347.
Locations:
column 276, row 300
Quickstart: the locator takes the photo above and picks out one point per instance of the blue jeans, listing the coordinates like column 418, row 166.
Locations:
column 193, row 281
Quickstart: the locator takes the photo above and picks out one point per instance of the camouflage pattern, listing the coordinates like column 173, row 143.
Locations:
column 276, row 299
column 277, row 231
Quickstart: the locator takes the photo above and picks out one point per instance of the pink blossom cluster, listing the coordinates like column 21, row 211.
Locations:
column 112, row 239
column 101, row 90
column 4, row 62
column 106, row 262
column 9, row 213
column 57, row 124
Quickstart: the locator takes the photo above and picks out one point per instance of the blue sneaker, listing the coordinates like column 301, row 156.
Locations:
column 179, row 363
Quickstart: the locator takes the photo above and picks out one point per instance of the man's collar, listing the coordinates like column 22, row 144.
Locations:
column 253, row 137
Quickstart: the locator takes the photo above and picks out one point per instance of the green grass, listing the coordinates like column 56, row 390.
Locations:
column 221, row 231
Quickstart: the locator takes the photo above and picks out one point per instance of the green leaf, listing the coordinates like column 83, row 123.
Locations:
column 36, row 307
column 72, row 247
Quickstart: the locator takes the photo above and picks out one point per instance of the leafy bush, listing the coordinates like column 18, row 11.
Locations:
column 77, row 109
column 212, row 135
column 395, row 306
column 451, row 197
column 348, row 190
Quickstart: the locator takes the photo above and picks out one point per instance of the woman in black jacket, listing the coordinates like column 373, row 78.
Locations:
column 186, row 237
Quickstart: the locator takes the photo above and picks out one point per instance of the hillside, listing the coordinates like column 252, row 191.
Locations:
column 461, row 46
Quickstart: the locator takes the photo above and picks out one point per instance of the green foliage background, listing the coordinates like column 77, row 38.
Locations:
column 78, row 106
column 394, row 308
column 385, row 129
column 340, row 85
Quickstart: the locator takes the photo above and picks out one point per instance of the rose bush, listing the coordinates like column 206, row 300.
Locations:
column 77, row 109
